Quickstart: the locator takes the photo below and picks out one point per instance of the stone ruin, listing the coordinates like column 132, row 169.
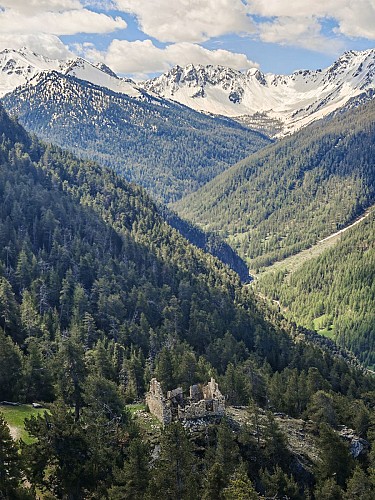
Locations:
column 204, row 401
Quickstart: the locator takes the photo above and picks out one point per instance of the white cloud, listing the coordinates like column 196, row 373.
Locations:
column 189, row 20
column 354, row 18
column 357, row 19
column 48, row 45
column 287, row 22
column 35, row 6
column 143, row 57
column 303, row 32
column 67, row 22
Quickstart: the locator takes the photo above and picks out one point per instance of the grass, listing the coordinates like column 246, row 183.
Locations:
column 327, row 332
column 320, row 326
column 149, row 424
column 15, row 417
column 133, row 408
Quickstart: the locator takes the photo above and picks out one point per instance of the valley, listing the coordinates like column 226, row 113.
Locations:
column 292, row 263
column 130, row 213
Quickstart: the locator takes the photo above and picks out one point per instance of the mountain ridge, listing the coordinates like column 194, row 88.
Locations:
column 275, row 104
column 293, row 100
column 166, row 147
column 20, row 67
column 294, row 192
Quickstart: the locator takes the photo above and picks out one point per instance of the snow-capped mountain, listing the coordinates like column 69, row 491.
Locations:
column 277, row 104
column 286, row 102
column 23, row 67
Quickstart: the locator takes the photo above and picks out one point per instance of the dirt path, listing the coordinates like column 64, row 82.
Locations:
column 295, row 261
column 366, row 214
column 14, row 432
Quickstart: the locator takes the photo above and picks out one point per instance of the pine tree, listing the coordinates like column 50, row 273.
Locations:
column 10, row 471
column 132, row 480
column 175, row 476
column 359, row 486
column 335, row 460
column 10, row 368
column 227, row 451
column 215, row 482
column 328, row 490
column 240, row 487
column 71, row 372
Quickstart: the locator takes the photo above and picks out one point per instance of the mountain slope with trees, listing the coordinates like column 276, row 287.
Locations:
column 98, row 294
column 168, row 148
column 293, row 193
column 335, row 291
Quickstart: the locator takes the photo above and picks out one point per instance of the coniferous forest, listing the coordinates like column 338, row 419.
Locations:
column 98, row 294
column 334, row 292
column 289, row 195
column 167, row 148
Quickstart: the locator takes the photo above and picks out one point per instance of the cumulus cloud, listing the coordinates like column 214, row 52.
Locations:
column 140, row 58
column 189, row 20
column 303, row 32
column 68, row 22
column 287, row 22
column 35, row 6
column 48, row 45
column 354, row 18
column 58, row 17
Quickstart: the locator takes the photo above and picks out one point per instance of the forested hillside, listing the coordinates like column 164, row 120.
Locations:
column 287, row 196
column 98, row 294
column 335, row 292
column 168, row 148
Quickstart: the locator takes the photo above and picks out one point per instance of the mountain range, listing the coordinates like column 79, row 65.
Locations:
column 20, row 67
column 280, row 103
column 168, row 148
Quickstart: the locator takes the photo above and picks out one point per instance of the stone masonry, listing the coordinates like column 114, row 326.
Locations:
column 204, row 401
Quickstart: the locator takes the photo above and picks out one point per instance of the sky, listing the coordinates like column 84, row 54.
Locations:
column 143, row 38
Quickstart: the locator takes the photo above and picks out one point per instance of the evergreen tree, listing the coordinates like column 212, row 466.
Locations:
column 240, row 487
column 37, row 375
column 328, row 489
column 359, row 486
column 71, row 372
column 227, row 451
column 10, row 368
column 215, row 481
column 277, row 484
column 132, row 480
column 335, row 460
column 175, row 476
column 10, row 466
column 57, row 460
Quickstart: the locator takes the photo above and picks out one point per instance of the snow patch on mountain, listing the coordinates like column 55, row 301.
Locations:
column 293, row 100
column 20, row 67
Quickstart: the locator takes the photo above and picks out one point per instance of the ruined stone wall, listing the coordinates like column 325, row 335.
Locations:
column 157, row 403
column 211, row 390
column 212, row 403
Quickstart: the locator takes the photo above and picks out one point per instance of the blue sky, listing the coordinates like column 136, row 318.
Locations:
column 140, row 38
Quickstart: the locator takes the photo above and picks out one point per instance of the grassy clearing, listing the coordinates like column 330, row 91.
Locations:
column 149, row 424
column 15, row 417
column 133, row 408
column 328, row 332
